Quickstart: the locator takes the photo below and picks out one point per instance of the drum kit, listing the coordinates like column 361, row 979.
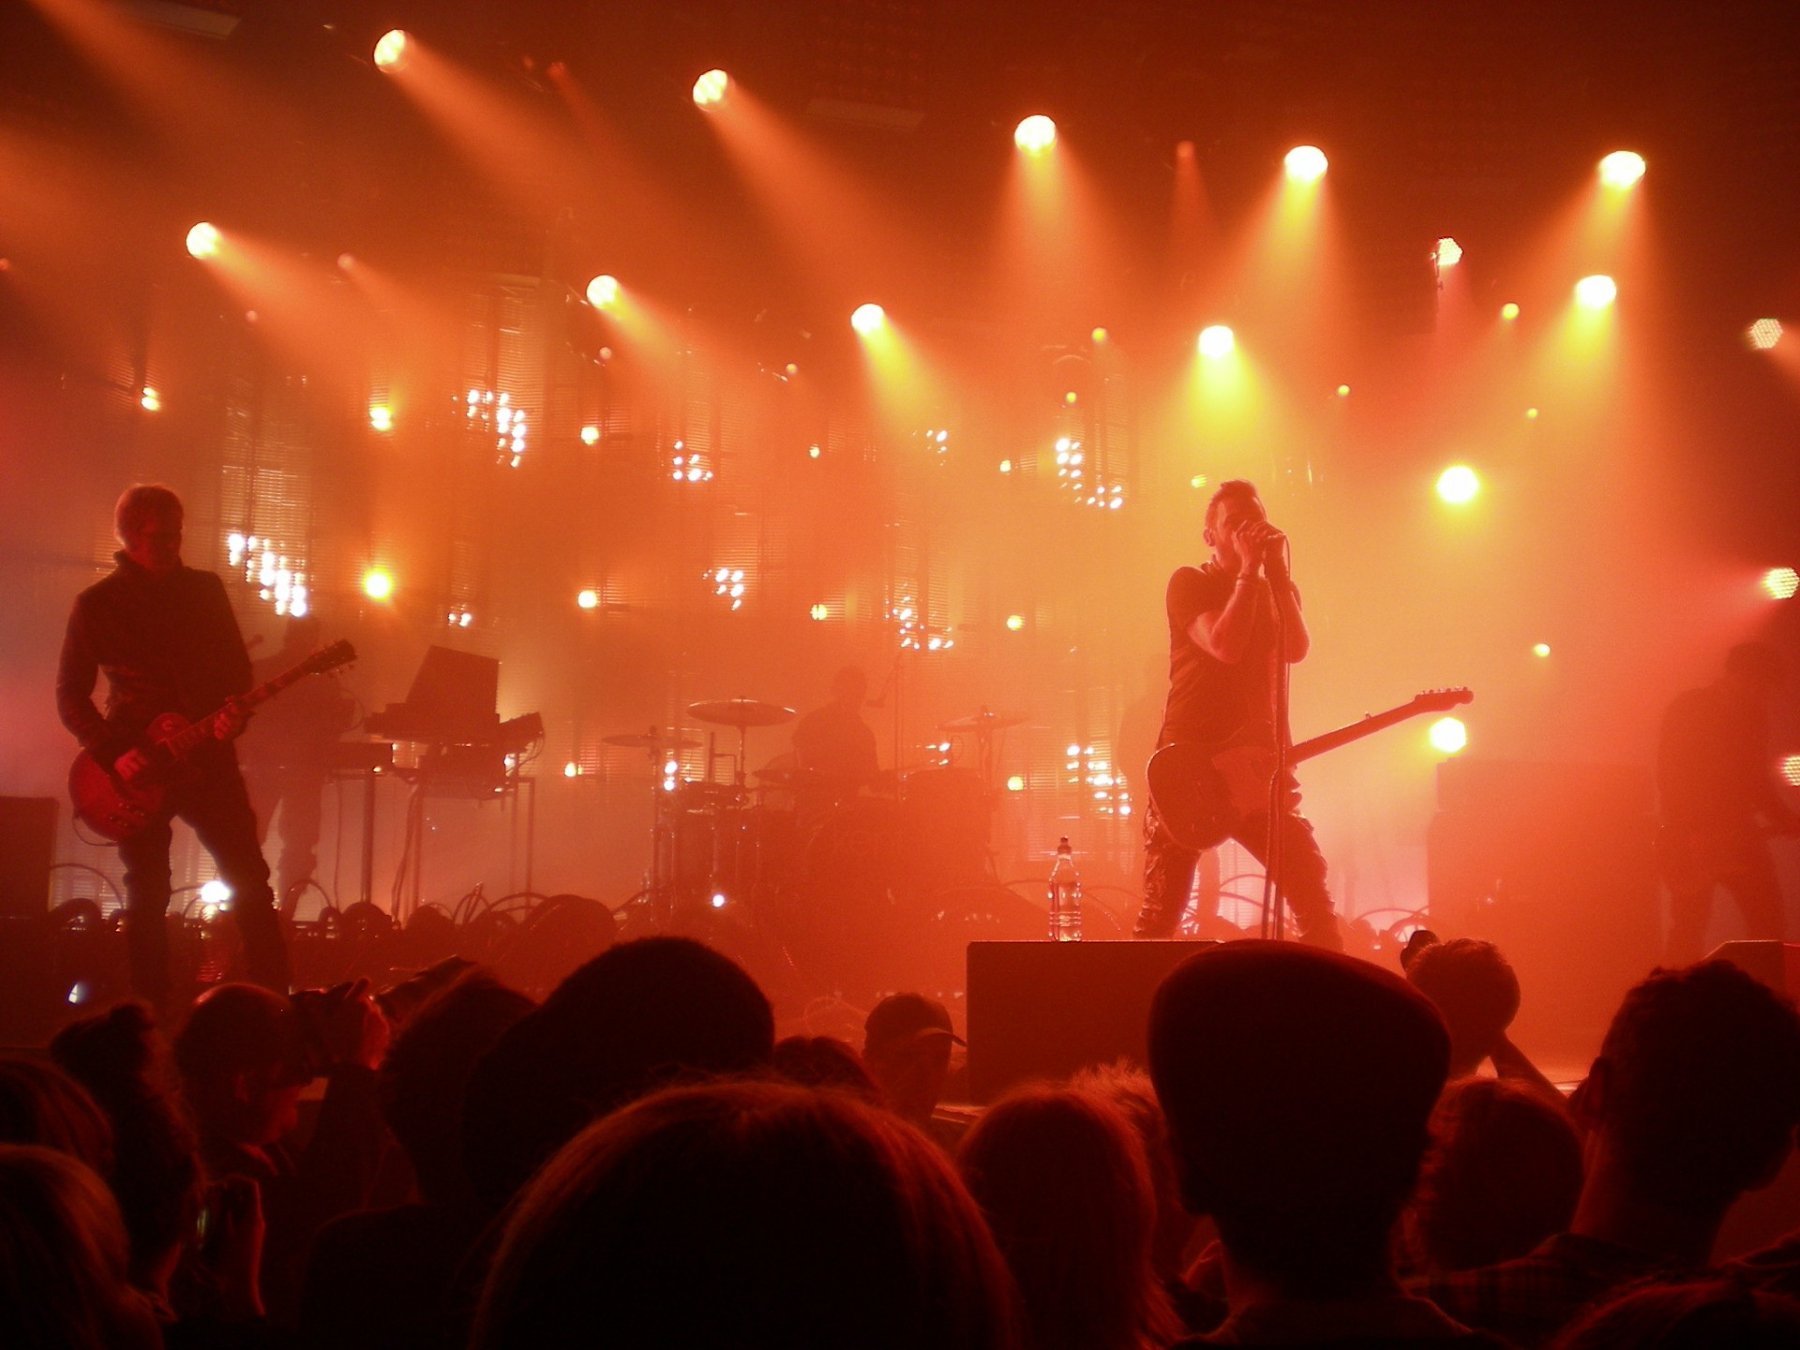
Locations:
column 789, row 839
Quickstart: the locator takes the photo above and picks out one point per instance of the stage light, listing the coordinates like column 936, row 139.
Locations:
column 215, row 892
column 1343, row 391
column 589, row 599
column 1449, row 736
column 381, row 417
column 1596, row 292
column 1509, row 311
column 1458, row 485
column 1305, row 164
column 820, row 613
column 1016, row 783
column 866, row 319
column 813, row 452
column 1764, row 334
column 377, row 583
column 1541, row 650
column 590, row 435
column 1790, row 770
column 150, row 400
column 710, row 89
column 1099, row 336
column 1006, row 466
column 1216, row 340
column 1622, row 169
column 718, row 899
column 1035, row 134
column 571, row 769
column 1448, row 253
column 1015, row 622
column 602, row 291
column 203, row 240
column 391, row 50
column 1531, row 414
column 1197, row 482
column 1781, row 583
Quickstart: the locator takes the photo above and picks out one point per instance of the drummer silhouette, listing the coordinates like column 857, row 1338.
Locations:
column 834, row 747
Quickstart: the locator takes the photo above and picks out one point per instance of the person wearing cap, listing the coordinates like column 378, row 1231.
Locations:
column 906, row 1049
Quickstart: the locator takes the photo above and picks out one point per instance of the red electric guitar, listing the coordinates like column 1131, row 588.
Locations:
column 117, row 810
column 1202, row 788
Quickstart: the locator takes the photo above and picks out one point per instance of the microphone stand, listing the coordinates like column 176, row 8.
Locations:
column 1273, row 897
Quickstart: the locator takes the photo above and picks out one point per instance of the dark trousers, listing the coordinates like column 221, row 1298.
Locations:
column 1299, row 876
column 218, row 808
column 1739, row 861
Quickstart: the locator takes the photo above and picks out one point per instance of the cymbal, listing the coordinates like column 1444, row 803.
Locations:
column 651, row 741
column 740, row 712
column 983, row 721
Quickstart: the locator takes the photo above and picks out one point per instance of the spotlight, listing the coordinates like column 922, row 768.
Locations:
column 588, row 600
column 1458, row 485
column 1449, row 736
column 377, row 583
column 1016, row 783
column 1781, row 583
column 1099, row 336
column 1448, row 252
column 1509, row 311
column 571, row 769
column 1764, row 334
column 1216, row 340
column 866, row 319
column 203, row 240
column 1596, row 292
column 590, row 435
column 150, row 400
column 710, row 89
column 1622, row 169
column 1305, row 164
column 1790, row 770
column 1541, row 650
column 391, row 51
column 1035, row 134
column 1015, row 622
column 602, row 291
column 381, row 417
column 1343, row 391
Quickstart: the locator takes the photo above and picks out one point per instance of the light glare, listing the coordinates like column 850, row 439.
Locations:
column 1035, row 134
column 1449, row 736
column 1449, row 252
column 1458, row 485
column 377, row 583
column 391, row 50
column 203, row 240
column 588, row 600
column 1764, row 334
column 1216, row 340
column 602, row 291
column 710, row 89
column 866, row 319
column 1305, row 164
column 1622, row 169
column 1781, row 583
column 1596, row 292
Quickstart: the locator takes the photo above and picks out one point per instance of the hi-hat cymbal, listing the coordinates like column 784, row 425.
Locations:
column 652, row 741
column 983, row 721
column 740, row 712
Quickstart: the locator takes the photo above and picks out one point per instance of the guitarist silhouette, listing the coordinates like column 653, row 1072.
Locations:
column 166, row 638
column 1226, row 620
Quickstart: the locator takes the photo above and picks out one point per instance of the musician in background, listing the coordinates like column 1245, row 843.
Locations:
column 1223, row 664
column 1719, row 801
column 835, row 746
column 287, row 757
column 166, row 638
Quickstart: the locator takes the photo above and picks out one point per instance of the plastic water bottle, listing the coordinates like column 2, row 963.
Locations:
column 1065, row 895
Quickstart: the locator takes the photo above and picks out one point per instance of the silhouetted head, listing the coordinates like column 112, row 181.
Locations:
column 906, row 1049
column 243, row 1063
column 64, row 1281
column 1502, row 1174
column 1298, row 1084
column 1065, row 1186
column 1476, row 991
column 824, row 1062
column 638, row 1016
column 1696, row 1315
column 40, row 1104
column 751, row 1214
column 1697, row 1086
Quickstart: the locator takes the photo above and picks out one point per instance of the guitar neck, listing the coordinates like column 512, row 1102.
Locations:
column 190, row 737
column 1355, row 731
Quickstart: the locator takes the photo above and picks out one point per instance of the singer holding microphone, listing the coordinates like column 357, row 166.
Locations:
column 1227, row 619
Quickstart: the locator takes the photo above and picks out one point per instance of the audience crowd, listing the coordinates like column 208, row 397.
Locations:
column 1318, row 1151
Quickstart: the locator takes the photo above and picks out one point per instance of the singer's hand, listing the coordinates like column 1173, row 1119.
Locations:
column 1275, row 552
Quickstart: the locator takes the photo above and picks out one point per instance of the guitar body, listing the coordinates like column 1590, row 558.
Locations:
column 115, row 809
column 118, row 810
column 1202, row 789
